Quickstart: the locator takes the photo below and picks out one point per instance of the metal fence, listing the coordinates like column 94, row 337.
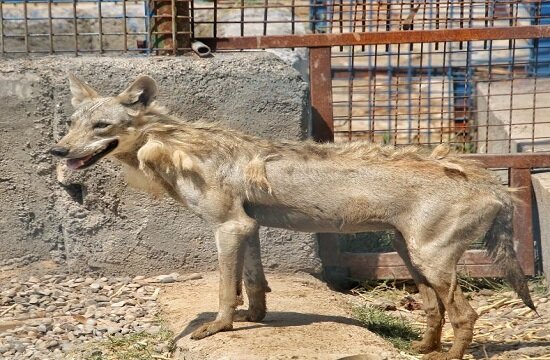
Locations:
column 483, row 96
column 472, row 73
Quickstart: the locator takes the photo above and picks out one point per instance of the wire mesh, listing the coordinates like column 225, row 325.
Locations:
column 481, row 96
column 91, row 27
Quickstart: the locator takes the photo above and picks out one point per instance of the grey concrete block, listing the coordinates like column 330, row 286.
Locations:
column 508, row 124
column 93, row 221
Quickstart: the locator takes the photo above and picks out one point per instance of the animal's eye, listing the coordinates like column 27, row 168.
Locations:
column 101, row 125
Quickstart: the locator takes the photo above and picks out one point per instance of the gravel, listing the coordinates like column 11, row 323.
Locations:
column 47, row 317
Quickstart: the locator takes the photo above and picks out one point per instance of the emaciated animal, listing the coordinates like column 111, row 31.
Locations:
column 437, row 203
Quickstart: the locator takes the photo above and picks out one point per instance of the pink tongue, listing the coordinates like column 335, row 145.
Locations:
column 76, row 163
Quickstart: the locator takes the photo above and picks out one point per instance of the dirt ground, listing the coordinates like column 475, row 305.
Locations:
column 305, row 320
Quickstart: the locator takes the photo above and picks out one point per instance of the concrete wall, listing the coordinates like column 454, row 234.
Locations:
column 91, row 220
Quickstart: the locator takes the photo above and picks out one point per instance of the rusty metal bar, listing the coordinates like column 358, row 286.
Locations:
column 75, row 28
column 26, row 23
column 125, row 25
column 321, row 94
column 170, row 26
column 390, row 265
column 50, row 26
column 515, row 161
column 2, row 50
column 100, row 26
column 523, row 219
column 378, row 38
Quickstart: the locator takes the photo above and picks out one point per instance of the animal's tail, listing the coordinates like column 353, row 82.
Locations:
column 499, row 242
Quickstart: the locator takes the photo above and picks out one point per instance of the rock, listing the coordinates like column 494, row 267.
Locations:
column 193, row 276
column 42, row 328
column 153, row 330
column 119, row 304
column 161, row 348
column 165, row 279
column 384, row 304
column 543, row 300
column 113, row 330
column 486, row 292
column 33, row 279
column 95, row 287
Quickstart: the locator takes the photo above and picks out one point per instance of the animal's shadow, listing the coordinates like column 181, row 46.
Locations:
column 273, row 319
column 277, row 319
column 491, row 348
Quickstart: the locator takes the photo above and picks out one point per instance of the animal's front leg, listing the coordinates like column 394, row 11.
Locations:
column 231, row 240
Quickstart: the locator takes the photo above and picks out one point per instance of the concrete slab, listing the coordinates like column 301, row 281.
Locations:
column 510, row 123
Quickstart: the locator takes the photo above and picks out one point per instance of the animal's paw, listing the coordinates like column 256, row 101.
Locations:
column 251, row 315
column 436, row 355
column 210, row 329
column 423, row 347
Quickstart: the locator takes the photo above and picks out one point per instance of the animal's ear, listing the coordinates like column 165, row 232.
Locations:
column 81, row 91
column 142, row 91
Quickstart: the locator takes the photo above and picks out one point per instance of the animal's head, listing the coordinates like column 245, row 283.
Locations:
column 102, row 126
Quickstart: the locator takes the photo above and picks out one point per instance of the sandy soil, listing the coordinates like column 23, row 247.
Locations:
column 305, row 320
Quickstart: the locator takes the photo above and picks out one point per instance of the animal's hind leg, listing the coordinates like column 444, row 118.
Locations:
column 433, row 307
column 461, row 315
column 254, row 281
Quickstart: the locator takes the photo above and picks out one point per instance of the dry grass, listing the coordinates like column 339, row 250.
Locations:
column 134, row 346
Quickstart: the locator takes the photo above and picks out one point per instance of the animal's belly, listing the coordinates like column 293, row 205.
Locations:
column 288, row 218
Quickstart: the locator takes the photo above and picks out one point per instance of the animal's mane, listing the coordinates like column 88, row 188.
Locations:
column 199, row 138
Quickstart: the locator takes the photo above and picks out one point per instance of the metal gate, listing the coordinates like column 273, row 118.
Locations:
column 471, row 73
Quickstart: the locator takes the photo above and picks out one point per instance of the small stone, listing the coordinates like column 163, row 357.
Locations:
column 486, row 292
column 91, row 322
column 42, row 328
column 95, row 286
column 543, row 300
column 119, row 304
column 52, row 343
column 138, row 278
column 193, row 276
column 113, row 330
column 66, row 347
column 161, row 348
column 384, row 304
column 153, row 330
column 33, row 279
column 33, row 300
column 165, row 279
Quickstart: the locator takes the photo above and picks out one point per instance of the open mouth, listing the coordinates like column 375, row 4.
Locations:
column 89, row 160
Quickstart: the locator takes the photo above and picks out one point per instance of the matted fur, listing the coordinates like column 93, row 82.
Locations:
column 436, row 202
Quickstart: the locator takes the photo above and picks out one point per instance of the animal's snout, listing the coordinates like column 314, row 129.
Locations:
column 59, row 151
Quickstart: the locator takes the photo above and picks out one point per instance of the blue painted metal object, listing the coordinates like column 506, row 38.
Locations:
column 539, row 58
column 319, row 16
